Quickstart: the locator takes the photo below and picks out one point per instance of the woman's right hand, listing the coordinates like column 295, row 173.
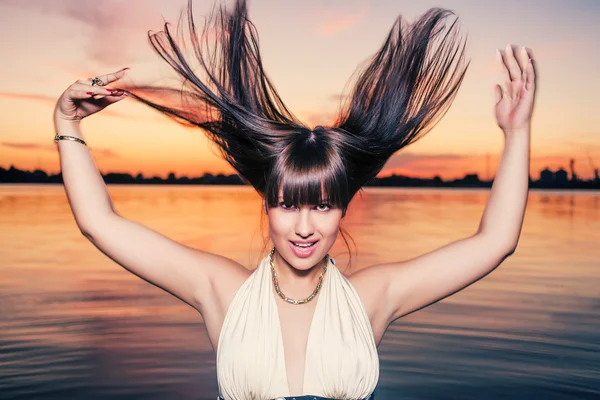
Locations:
column 81, row 99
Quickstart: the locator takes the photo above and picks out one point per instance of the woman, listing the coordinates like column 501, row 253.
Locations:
column 295, row 326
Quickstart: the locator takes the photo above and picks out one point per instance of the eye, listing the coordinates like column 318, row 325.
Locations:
column 286, row 206
column 323, row 207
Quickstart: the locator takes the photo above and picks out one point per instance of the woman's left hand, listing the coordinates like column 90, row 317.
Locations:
column 514, row 100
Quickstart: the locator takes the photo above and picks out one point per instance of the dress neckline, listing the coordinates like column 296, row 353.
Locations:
column 273, row 298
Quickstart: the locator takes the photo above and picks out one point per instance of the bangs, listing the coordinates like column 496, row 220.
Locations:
column 305, row 175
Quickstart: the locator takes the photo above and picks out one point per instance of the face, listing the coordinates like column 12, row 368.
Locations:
column 304, row 234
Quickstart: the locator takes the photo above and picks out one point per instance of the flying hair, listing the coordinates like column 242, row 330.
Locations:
column 396, row 98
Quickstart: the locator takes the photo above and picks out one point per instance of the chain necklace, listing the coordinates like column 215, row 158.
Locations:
column 283, row 296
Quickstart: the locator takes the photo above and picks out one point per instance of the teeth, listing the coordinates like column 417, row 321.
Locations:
column 303, row 245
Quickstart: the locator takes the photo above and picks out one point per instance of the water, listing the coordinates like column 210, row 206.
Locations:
column 73, row 324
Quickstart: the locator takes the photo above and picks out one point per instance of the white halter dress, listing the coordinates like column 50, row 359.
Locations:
column 341, row 354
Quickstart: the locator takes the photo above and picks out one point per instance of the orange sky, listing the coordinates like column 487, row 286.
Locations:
column 310, row 50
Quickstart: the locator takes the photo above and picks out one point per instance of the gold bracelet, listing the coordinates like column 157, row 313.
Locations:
column 73, row 138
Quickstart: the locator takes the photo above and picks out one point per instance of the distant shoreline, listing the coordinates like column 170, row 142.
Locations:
column 532, row 188
column 548, row 180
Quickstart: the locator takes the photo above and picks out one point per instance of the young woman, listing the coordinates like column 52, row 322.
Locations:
column 295, row 326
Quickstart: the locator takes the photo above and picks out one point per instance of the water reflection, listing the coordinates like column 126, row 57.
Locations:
column 76, row 325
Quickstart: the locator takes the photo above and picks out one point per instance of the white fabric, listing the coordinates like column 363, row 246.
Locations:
column 341, row 355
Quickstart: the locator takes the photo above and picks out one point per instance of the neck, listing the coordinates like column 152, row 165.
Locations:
column 296, row 281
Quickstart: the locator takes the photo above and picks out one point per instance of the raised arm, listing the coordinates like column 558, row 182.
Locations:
column 180, row 270
column 413, row 284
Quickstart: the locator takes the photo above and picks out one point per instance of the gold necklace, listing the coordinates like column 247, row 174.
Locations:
column 283, row 296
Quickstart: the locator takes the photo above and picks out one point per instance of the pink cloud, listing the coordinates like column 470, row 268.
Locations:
column 332, row 27
column 50, row 100
column 338, row 19
column 27, row 96
column 45, row 147
column 405, row 160
column 107, row 26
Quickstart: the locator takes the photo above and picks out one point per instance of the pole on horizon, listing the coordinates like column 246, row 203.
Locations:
column 487, row 167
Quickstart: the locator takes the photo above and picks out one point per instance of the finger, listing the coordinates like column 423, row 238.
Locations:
column 112, row 93
column 530, row 76
column 511, row 63
column 108, row 100
column 506, row 90
column 115, row 98
column 505, row 71
column 529, row 52
column 523, row 59
column 110, row 78
column 497, row 94
column 97, row 90
column 80, row 94
column 87, row 93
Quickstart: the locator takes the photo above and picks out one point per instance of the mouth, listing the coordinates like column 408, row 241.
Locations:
column 303, row 249
column 304, row 245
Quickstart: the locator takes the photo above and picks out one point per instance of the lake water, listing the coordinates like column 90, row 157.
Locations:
column 73, row 324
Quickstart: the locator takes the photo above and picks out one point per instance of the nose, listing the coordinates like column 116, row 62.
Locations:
column 304, row 226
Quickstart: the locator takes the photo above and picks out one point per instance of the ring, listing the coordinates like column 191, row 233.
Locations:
column 97, row 82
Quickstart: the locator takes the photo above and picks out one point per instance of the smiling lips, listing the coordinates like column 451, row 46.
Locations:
column 303, row 249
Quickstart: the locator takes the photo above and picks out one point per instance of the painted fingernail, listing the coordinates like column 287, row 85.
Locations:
column 89, row 92
column 109, row 90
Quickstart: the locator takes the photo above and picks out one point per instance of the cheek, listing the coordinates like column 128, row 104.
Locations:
column 330, row 226
column 278, row 224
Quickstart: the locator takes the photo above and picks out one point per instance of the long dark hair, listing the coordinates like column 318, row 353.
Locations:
column 401, row 93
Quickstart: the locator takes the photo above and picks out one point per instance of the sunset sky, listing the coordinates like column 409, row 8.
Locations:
column 310, row 49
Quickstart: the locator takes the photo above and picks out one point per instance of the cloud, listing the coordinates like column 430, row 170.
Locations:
column 26, row 146
column 424, row 161
column 337, row 25
column 110, row 34
column 336, row 18
column 51, row 100
column 27, row 96
column 107, row 153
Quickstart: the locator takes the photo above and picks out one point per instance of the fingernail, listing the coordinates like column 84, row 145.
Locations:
column 109, row 90
column 89, row 92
